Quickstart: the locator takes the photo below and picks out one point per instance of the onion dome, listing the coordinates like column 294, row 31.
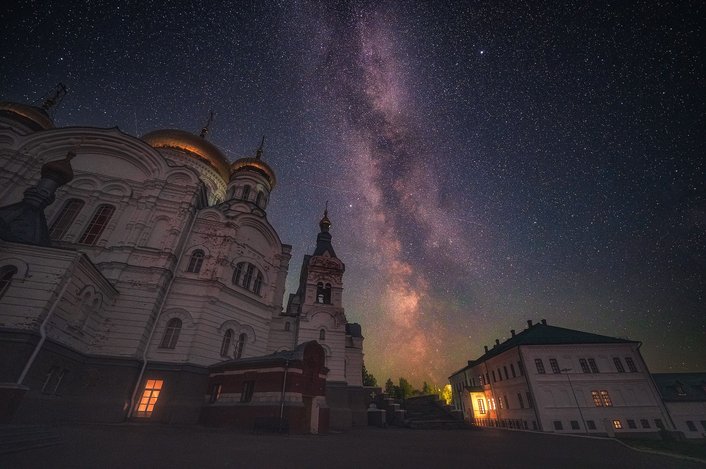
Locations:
column 325, row 223
column 194, row 145
column 256, row 165
column 35, row 117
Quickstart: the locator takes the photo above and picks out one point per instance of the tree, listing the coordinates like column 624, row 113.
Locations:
column 368, row 378
column 390, row 388
column 406, row 389
column 426, row 389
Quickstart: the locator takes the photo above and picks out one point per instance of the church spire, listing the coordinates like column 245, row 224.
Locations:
column 323, row 240
column 206, row 128
column 258, row 153
column 325, row 223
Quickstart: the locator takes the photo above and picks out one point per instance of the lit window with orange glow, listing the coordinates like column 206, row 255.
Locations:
column 617, row 425
column 149, row 397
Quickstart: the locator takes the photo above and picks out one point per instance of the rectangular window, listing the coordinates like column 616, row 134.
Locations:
column 596, row 399
column 584, row 365
column 558, row 425
column 592, row 364
column 97, row 224
column 507, row 403
column 153, row 388
column 520, row 400
column 481, row 406
column 591, row 424
column 505, row 371
column 606, row 399
column 555, row 366
column 691, row 425
column 65, row 219
column 215, row 393
column 645, row 423
column 529, row 399
column 487, row 378
column 617, row 425
column 248, row 388
column 575, row 425
column 512, row 370
column 520, row 368
column 631, row 365
column 631, row 423
column 659, row 424
column 618, row 365
column 500, row 375
column 540, row 365
column 492, row 403
column 494, row 380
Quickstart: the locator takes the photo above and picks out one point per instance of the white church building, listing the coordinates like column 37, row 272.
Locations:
column 130, row 266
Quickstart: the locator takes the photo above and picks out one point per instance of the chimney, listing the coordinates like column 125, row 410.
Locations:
column 512, row 331
column 529, row 323
column 486, row 348
column 544, row 321
column 497, row 342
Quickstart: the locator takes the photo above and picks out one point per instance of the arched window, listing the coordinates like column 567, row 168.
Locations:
column 66, row 218
column 257, row 286
column 227, row 340
column 287, row 326
column 247, row 278
column 97, row 224
column 240, row 345
column 195, row 262
column 6, row 274
column 237, row 273
column 258, row 199
column 171, row 333
column 323, row 293
column 246, row 193
column 322, row 334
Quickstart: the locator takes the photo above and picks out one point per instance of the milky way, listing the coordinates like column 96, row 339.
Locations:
column 484, row 164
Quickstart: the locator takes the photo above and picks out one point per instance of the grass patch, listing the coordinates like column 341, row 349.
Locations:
column 694, row 449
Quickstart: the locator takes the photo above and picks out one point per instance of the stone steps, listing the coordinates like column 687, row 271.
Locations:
column 426, row 412
column 15, row 438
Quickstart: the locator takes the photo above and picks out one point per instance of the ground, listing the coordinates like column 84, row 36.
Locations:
column 127, row 446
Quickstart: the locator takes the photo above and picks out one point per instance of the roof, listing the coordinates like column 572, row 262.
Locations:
column 277, row 358
column 544, row 334
column 681, row 387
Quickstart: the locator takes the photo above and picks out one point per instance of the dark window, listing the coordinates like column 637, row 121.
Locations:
column 591, row 424
column 575, row 425
column 631, row 365
column 257, row 286
column 507, row 403
column 555, row 365
column 631, row 423
column 558, row 425
column 584, row 365
column 322, row 334
column 645, row 423
column 659, row 424
column 520, row 400
column 323, row 293
column 618, row 366
column 505, row 371
column 215, row 392
column 500, row 375
column 195, row 261
column 679, row 388
column 592, row 364
column 171, row 333
column 529, row 399
column 248, row 389
column 691, row 425
column 258, row 199
column 287, row 326
column 512, row 370
column 66, row 218
column 227, row 341
column 97, row 224
column 520, row 368
column 240, row 345
column 487, row 379
column 237, row 273
column 493, row 372
column 540, row 365
column 247, row 278
column 6, row 274
column 246, row 193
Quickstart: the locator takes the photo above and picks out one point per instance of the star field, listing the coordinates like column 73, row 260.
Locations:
column 484, row 164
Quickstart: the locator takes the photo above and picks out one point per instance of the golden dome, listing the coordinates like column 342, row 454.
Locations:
column 192, row 144
column 35, row 115
column 257, row 165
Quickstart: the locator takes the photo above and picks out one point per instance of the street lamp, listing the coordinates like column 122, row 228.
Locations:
column 565, row 370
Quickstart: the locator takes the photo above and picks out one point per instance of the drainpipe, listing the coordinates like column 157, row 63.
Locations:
column 131, row 409
column 43, row 325
column 281, row 400
column 529, row 388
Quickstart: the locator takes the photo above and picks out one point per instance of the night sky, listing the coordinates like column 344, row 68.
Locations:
column 484, row 163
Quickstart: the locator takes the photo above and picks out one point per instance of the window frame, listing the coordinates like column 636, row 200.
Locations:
column 196, row 261
column 172, row 331
column 554, row 363
column 150, row 395
column 539, row 364
column 65, row 218
column 97, row 225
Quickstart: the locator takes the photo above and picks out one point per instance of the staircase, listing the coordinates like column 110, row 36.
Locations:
column 427, row 412
column 14, row 438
